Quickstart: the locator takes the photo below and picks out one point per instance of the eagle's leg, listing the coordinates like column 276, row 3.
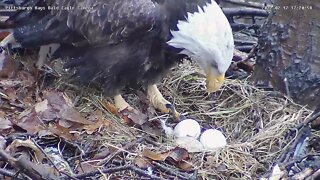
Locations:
column 45, row 53
column 121, row 104
column 159, row 102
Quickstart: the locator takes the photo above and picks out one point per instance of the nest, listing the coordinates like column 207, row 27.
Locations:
column 254, row 121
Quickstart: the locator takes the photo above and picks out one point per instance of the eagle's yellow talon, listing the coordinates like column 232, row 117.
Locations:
column 160, row 103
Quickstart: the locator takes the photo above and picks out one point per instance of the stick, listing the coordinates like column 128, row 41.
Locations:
column 118, row 169
column 111, row 156
column 8, row 173
column 247, row 4
column 245, row 12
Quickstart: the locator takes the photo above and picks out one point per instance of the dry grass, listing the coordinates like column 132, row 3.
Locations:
column 254, row 122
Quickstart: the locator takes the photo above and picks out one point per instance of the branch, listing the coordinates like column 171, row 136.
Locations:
column 247, row 4
column 8, row 173
column 27, row 167
column 240, row 26
column 118, row 169
column 245, row 12
column 127, row 146
column 171, row 171
column 245, row 48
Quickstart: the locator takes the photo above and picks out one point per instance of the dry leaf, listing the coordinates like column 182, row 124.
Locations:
column 57, row 100
column 70, row 114
column 61, row 132
column 11, row 94
column 177, row 156
column 41, row 106
column 86, row 167
column 98, row 121
column 39, row 156
column 155, row 156
column 135, row 116
column 4, row 34
column 7, row 66
column 152, row 127
column 4, row 122
column 26, row 78
column 109, row 106
column 142, row 162
column 29, row 121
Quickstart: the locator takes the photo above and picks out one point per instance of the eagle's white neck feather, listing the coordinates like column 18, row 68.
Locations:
column 205, row 36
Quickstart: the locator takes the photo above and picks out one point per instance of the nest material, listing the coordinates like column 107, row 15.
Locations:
column 254, row 121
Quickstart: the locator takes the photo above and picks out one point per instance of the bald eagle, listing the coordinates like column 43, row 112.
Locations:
column 121, row 43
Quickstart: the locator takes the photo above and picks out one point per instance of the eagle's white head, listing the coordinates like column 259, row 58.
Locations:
column 206, row 37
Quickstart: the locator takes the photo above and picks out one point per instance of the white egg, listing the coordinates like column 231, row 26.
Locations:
column 213, row 139
column 187, row 128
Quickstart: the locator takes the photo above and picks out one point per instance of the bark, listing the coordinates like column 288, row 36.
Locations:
column 288, row 56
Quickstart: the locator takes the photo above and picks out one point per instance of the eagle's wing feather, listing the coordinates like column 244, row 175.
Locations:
column 110, row 21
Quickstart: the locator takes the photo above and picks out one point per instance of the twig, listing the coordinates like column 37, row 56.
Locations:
column 289, row 151
column 309, row 120
column 111, row 156
column 245, row 48
column 117, row 169
column 171, row 171
column 244, row 42
column 245, row 12
column 241, row 26
column 244, row 3
column 50, row 160
column 27, row 167
column 8, row 173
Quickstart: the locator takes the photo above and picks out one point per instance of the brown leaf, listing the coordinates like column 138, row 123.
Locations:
column 135, row 116
column 142, row 162
column 4, row 122
column 155, row 156
column 109, row 106
column 39, row 156
column 3, row 35
column 178, row 154
column 41, row 106
column 98, row 121
column 61, row 132
column 11, row 94
column 26, row 78
column 185, row 165
column 43, row 112
column 7, row 65
column 104, row 152
column 62, row 107
column 152, row 128
column 57, row 100
column 86, row 167
column 70, row 114
column 29, row 121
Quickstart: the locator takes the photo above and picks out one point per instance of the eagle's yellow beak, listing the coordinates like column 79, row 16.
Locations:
column 214, row 82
